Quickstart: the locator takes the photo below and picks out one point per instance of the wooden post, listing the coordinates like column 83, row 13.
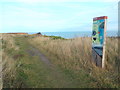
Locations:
column 99, row 40
column 104, row 44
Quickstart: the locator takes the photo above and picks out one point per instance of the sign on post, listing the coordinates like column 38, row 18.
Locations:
column 98, row 40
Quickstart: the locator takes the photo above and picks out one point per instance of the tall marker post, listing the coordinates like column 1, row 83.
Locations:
column 99, row 40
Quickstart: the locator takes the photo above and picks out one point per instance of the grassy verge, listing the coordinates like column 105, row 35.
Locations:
column 24, row 70
column 73, row 56
column 19, row 68
column 55, row 37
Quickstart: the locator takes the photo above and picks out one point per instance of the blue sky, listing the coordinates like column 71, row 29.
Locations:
column 55, row 15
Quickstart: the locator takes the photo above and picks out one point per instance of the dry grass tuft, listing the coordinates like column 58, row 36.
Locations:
column 75, row 55
column 8, row 63
column 72, row 55
column 75, row 51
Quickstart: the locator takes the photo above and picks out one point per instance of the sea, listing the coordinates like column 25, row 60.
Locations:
column 75, row 34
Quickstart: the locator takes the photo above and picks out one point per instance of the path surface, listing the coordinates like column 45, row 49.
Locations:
column 44, row 72
column 35, row 52
column 55, row 73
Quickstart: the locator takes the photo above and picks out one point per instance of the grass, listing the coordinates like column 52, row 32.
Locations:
column 71, row 59
column 55, row 37
column 22, row 70
column 1, row 62
column 23, row 67
column 74, row 56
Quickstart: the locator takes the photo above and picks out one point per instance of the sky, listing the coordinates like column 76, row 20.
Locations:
column 55, row 15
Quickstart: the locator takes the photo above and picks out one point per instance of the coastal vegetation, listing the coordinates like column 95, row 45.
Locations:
column 55, row 62
column 55, row 37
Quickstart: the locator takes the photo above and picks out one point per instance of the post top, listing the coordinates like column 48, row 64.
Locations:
column 98, row 18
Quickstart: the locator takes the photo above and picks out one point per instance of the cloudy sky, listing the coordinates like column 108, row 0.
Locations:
column 55, row 15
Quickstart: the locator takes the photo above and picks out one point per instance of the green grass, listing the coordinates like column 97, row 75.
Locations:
column 71, row 59
column 74, row 56
column 55, row 37
column 30, row 71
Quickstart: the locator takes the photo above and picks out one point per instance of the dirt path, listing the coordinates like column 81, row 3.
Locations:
column 35, row 52
column 40, row 71
column 44, row 72
column 55, row 73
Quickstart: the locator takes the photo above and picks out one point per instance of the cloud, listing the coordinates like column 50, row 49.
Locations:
column 24, row 17
column 55, row 16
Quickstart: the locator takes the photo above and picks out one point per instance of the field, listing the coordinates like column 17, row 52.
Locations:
column 50, row 62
